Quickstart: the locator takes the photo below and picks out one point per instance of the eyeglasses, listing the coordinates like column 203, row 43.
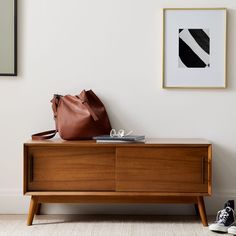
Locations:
column 120, row 133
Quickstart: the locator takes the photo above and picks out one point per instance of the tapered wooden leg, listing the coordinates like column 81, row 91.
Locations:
column 38, row 208
column 202, row 211
column 32, row 209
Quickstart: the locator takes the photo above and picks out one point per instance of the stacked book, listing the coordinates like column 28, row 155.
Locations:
column 117, row 139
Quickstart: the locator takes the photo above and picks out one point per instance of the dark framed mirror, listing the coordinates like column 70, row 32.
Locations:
column 8, row 37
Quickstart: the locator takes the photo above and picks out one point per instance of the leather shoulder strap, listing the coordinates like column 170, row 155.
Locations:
column 44, row 135
column 85, row 102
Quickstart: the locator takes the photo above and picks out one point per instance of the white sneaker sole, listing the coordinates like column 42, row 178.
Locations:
column 232, row 230
column 218, row 228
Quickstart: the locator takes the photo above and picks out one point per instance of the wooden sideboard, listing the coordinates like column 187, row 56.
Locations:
column 157, row 171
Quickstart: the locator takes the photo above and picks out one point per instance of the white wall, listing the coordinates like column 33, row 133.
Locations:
column 113, row 47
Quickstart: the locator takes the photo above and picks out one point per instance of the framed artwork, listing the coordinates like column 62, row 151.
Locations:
column 194, row 48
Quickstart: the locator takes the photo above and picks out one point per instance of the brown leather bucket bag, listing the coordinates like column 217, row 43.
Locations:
column 77, row 117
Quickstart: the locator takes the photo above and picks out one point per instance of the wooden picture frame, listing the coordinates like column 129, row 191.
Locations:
column 194, row 48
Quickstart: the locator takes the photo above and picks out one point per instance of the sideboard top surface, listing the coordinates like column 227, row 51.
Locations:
column 148, row 142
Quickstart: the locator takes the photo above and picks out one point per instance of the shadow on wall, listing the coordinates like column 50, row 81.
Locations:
column 223, row 178
column 119, row 209
column 224, row 162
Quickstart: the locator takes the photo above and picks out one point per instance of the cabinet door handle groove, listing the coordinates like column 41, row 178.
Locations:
column 31, row 166
column 203, row 170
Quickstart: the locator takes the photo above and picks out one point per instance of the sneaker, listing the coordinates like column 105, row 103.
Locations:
column 225, row 218
column 229, row 203
column 232, row 229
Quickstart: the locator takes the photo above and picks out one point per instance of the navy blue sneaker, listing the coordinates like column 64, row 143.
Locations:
column 225, row 218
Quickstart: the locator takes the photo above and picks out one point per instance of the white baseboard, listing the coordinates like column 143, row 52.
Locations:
column 12, row 201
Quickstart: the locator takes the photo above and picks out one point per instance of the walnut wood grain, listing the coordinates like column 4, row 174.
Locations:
column 202, row 211
column 158, row 171
column 126, row 199
column 66, row 168
column 165, row 169
column 111, row 193
column 32, row 209
column 38, row 209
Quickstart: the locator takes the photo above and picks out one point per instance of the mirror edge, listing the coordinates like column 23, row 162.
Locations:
column 14, row 73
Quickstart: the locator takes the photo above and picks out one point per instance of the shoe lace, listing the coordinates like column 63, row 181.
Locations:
column 223, row 215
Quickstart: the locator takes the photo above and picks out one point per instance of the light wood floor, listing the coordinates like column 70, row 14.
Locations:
column 103, row 225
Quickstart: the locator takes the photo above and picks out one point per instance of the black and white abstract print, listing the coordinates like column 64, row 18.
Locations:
column 194, row 48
